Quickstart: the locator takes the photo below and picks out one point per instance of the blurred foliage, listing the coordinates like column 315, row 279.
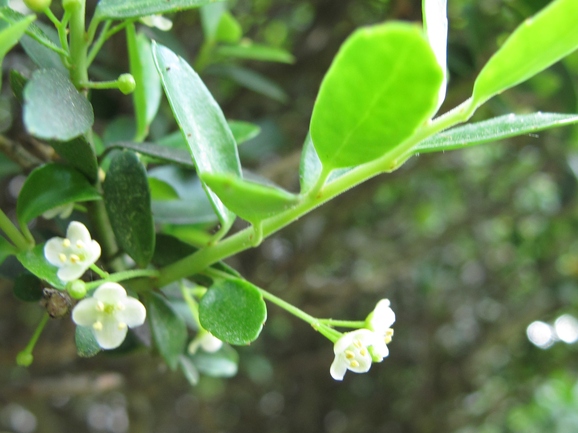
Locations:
column 470, row 246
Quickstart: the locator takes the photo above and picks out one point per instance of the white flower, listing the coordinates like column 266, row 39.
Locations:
column 380, row 321
column 73, row 254
column 207, row 341
column 109, row 313
column 62, row 211
column 351, row 353
column 158, row 21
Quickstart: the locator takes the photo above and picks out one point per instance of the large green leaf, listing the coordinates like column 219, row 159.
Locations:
column 79, row 153
column 250, row 200
column 43, row 56
column 36, row 263
column 536, row 44
column 164, row 153
column 54, row 109
column 494, row 129
column 382, row 85
column 202, row 122
column 168, row 328
column 11, row 34
column 233, row 311
column 121, row 9
column 49, row 186
column 128, row 204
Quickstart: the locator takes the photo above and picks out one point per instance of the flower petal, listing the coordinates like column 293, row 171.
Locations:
column 338, row 368
column 110, row 293
column 85, row 312
column 78, row 232
column 52, row 250
column 133, row 312
column 71, row 271
column 111, row 335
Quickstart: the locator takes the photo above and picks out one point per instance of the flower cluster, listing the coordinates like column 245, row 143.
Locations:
column 74, row 254
column 109, row 313
column 356, row 350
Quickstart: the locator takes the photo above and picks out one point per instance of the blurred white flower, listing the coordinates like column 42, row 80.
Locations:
column 380, row 321
column 62, row 211
column 206, row 341
column 73, row 254
column 351, row 353
column 109, row 313
column 158, row 21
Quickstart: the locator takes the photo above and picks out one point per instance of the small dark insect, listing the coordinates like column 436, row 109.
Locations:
column 168, row 68
column 57, row 303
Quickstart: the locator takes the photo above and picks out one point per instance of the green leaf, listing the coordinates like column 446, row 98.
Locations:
column 168, row 328
column 201, row 120
column 243, row 131
column 223, row 363
column 211, row 14
column 122, row 9
column 49, row 186
column 161, row 190
column 128, row 204
column 252, row 201
column 17, row 83
column 164, row 153
column 43, row 56
column 28, row 288
column 189, row 370
column 169, row 249
column 11, row 34
column 233, row 311
column 494, row 129
column 79, row 154
column 86, row 344
column 536, row 44
column 251, row 80
column 10, row 16
column 229, row 30
column 436, row 28
column 366, row 108
column 251, row 51
column 6, row 249
column 54, row 109
column 35, row 262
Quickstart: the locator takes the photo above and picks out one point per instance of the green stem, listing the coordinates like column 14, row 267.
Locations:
column 13, row 233
column 100, row 84
column 242, row 240
column 78, row 45
column 102, row 37
column 343, row 323
column 25, row 358
column 122, row 276
column 139, row 97
column 63, row 53
column 99, row 271
column 192, row 304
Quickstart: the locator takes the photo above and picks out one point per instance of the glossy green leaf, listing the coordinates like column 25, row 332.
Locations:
column 28, row 288
column 233, row 311
column 365, row 108
column 251, row 51
column 54, row 109
column 193, row 205
column 310, row 166
column 79, row 153
column 435, row 22
column 251, row 80
column 164, row 153
column 128, row 204
column 211, row 14
column 494, row 129
column 35, row 262
column 43, row 56
column 536, row 44
column 250, row 200
column 229, row 30
column 243, row 131
column 161, row 190
column 168, row 328
column 169, row 249
column 49, row 186
column 11, row 34
column 189, row 370
column 10, row 16
column 121, row 9
column 86, row 344
column 223, row 363
column 202, row 122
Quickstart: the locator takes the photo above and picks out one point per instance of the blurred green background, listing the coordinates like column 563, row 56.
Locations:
column 471, row 247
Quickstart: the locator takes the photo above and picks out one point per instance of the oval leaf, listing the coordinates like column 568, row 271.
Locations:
column 128, row 204
column 536, row 44
column 35, row 262
column 201, row 120
column 49, row 186
column 79, row 153
column 233, row 311
column 54, row 109
column 86, row 344
column 121, row 9
column 383, row 84
column 250, row 200
column 243, row 131
column 494, row 129
column 168, row 329
column 11, row 34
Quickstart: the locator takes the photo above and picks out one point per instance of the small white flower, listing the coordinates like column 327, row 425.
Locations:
column 62, row 211
column 158, row 21
column 207, row 341
column 380, row 321
column 73, row 254
column 352, row 353
column 109, row 313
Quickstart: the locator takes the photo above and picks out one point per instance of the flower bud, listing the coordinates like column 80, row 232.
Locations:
column 126, row 83
column 24, row 359
column 37, row 5
column 76, row 289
